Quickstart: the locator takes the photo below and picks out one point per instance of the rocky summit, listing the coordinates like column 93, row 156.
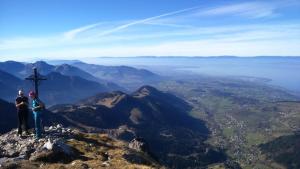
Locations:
column 69, row 148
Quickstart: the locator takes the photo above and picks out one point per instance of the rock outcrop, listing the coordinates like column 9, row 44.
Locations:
column 69, row 148
column 51, row 148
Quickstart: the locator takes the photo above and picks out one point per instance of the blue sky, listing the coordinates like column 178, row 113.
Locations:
column 73, row 29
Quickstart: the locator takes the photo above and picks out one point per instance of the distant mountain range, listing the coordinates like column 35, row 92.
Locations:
column 221, row 56
column 60, row 89
column 57, row 89
column 66, row 83
column 9, row 85
column 128, row 77
column 23, row 70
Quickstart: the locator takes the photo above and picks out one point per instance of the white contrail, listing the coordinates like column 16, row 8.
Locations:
column 169, row 25
column 72, row 33
column 144, row 20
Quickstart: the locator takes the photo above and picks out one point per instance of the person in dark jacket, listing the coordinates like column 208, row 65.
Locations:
column 22, row 110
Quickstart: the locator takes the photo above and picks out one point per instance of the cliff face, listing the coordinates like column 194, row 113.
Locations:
column 68, row 148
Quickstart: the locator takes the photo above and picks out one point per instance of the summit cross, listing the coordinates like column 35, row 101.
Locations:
column 36, row 77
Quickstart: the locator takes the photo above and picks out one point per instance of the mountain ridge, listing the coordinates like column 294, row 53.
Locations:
column 150, row 116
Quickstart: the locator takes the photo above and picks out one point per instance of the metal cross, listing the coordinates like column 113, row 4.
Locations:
column 35, row 78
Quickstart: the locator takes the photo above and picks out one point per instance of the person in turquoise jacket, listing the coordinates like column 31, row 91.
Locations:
column 37, row 108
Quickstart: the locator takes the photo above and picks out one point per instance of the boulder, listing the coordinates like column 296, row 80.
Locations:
column 138, row 144
column 53, row 152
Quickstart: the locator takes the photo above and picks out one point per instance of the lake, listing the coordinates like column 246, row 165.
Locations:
column 282, row 71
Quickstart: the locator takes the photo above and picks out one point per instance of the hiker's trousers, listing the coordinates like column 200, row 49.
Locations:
column 22, row 121
column 37, row 124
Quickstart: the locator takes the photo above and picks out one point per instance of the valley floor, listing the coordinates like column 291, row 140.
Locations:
column 241, row 117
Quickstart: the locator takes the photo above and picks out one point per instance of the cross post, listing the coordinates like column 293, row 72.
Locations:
column 35, row 78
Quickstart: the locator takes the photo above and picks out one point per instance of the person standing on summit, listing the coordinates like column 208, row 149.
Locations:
column 22, row 110
column 37, row 107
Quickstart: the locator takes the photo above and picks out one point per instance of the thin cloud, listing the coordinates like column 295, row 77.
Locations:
column 169, row 25
column 186, row 48
column 230, row 33
column 248, row 9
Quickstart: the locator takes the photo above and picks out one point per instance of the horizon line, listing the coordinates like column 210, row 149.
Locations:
column 157, row 57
